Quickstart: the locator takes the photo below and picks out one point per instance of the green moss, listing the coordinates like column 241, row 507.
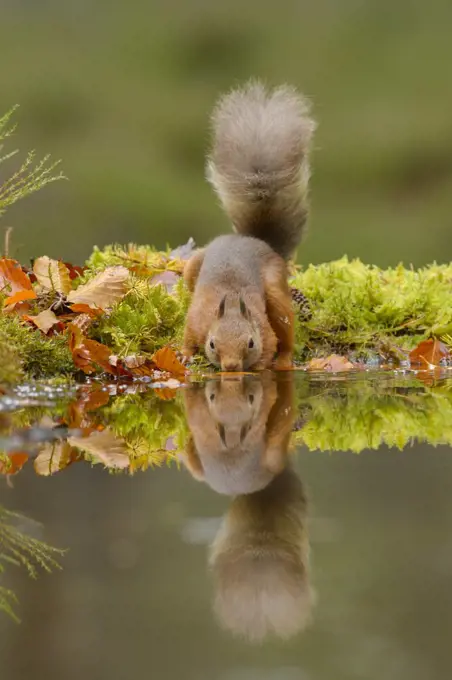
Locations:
column 147, row 423
column 40, row 357
column 10, row 361
column 358, row 305
column 363, row 414
column 148, row 318
column 130, row 255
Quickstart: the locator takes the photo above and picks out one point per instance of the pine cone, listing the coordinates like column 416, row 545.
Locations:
column 302, row 303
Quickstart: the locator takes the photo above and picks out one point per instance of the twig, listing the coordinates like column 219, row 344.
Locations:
column 7, row 241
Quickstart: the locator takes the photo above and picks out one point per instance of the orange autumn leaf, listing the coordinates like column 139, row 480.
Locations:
column 430, row 377
column 80, row 353
column 12, row 278
column 165, row 393
column 15, row 463
column 99, row 355
column 86, row 309
column 165, row 359
column 20, row 296
column 94, row 399
column 429, row 353
column 91, row 398
column 334, row 363
column 137, row 364
column 89, row 355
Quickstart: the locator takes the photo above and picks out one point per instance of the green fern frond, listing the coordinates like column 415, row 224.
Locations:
column 31, row 175
column 8, row 601
column 23, row 550
column 19, row 549
column 4, row 121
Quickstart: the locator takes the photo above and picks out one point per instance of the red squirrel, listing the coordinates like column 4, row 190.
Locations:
column 241, row 311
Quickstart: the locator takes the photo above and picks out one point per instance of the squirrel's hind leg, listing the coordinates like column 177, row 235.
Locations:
column 190, row 343
column 279, row 310
column 192, row 269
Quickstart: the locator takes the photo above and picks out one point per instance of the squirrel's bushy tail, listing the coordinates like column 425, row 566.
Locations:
column 259, row 162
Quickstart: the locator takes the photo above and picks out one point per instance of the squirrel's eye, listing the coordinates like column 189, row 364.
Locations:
column 251, row 398
column 212, row 397
column 250, row 343
column 212, row 344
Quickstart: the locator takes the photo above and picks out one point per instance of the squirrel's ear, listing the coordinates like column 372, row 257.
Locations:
column 221, row 308
column 243, row 308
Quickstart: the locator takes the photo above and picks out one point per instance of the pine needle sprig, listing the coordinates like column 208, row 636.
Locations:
column 31, row 176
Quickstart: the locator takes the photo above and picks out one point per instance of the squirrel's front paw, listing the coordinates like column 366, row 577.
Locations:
column 187, row 354
column 283, row 362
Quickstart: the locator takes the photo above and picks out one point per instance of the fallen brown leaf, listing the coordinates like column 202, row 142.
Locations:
column 54, row 457
column 29, row 272
column 94, row 399
column 103, row 290
column 74, row 270
column 12, row 278
column 165, row 393
column 165, row 359
column 431, row 376
column 333, row 364
column 16, row 462
column 104, row 447
column 86, row 309
column 52, row 274
column 88, row 355
column 139, row 365
column 44, row 320
column 429, row 353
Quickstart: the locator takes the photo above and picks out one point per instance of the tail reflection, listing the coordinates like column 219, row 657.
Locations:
column 240, row 434
column 260, row 562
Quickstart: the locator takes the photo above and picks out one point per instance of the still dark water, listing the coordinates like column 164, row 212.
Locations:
column 286, row 529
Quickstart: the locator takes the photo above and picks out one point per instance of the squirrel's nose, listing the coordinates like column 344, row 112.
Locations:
column 230, row 365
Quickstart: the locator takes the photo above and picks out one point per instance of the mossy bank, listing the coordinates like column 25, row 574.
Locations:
column 353, row 308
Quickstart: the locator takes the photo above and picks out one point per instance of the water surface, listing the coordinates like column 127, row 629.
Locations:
column 286, row 528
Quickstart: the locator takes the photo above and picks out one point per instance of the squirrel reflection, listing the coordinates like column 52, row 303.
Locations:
column 240, row 431
column 240, row 434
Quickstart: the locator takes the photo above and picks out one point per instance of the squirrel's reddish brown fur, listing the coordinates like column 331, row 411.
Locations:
column 239, row 431
column 241, row 312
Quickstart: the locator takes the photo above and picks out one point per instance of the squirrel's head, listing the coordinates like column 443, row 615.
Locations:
column 234, row 342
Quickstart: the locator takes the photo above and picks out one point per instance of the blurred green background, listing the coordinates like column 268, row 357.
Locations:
column 122, row 92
